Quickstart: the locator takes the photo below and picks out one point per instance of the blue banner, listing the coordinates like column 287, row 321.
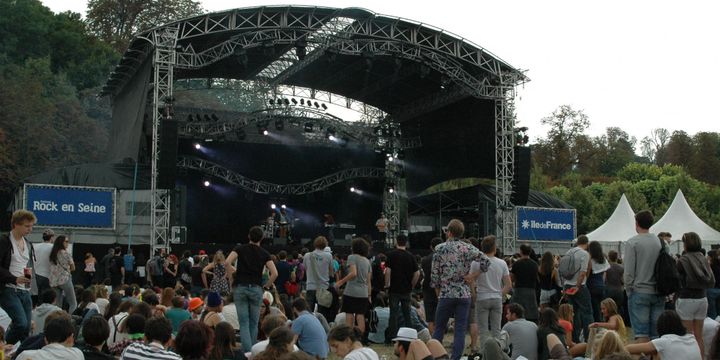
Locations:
column 545, row 224
column 71, row 206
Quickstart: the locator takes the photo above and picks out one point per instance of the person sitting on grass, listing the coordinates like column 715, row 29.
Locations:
column 407, row 346
column 345, row 341
column 613, row 321
column 674, row 341
column 60, row 339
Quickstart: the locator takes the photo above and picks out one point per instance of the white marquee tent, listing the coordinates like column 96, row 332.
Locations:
column 680, row 218
column 619, row 227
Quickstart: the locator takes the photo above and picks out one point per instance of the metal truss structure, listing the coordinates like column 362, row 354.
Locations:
column 468, row 70
column 263, row 187
column 504, row 161
column 165, row 40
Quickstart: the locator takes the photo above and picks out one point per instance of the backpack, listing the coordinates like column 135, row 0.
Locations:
column 567, row 267
column 667, row 276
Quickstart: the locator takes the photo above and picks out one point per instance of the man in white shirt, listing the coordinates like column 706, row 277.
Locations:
column 16, row 259
column 60, row 340
column 490, row 289
column 42, row 261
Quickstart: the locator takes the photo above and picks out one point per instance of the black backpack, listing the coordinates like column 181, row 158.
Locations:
column 667, row 276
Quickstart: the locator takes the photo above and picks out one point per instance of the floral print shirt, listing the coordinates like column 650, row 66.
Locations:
column 451, row 263
column 60, row 272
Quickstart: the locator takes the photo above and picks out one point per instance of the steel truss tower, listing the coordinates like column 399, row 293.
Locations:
column 164, row 39
column 504, row 165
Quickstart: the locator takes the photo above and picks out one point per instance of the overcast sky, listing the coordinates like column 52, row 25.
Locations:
column 637, row 65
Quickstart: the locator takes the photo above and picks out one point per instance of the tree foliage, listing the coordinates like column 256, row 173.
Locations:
column 116, row 21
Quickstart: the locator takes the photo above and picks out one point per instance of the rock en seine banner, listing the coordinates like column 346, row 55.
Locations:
column 78, row 207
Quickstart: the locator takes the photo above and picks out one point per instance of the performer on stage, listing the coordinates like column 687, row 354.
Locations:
column 283, row 229
column 270, row 225
column 382, row 225
column 329, row 227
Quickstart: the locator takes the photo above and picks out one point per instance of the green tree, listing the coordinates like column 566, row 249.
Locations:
column 705, row 163
column 116, row 21
column 653, row 147
column 679, row 149
column 617, row 148
column 556, row 154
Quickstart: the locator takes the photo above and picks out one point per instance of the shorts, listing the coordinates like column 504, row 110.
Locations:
column 691, row 309
column 546, row 296
column 355, row 305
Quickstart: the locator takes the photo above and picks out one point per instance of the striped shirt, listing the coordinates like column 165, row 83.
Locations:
column 140, row 351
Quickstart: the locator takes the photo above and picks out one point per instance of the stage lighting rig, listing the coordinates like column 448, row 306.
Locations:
column 273, row 206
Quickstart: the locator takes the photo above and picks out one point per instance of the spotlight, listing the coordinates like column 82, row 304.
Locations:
column 279, row 125
column 308, row 127
column 352, row 189
column 207, row 118
column 189, row 118
column 330, row 134
column 283, row 206
column 391, row 190
column 265, row 132
column 206, row 183
column 317, row 105
column 294, row 101
column 287, row 102
column 197, row 146
column 272, row 206
column 198, row 117
column 302, row 101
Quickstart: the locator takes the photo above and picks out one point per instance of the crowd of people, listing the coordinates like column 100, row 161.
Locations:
column 251, row 304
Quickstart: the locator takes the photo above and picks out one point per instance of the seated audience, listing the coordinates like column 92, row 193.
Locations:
column 312, row 337
column 47, row 305
column 280, row 342
column 674, row 341
column 611, row 343
column 522, row 333
column 613, row 321
column 407, row 346
column 95, row 332
column 270, row 323
column 194, row 340
column 135, row 325
column 345, row 341
column 59, row 334
column 177, row 314
column 158, row 333
column 225, row 347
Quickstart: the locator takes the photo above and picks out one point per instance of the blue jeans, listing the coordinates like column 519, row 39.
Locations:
column 247, row 303
column 644, row 311
column 458, row 309
column 399, row 304
column 583, row 313
column 18, row 305
column 713, row 294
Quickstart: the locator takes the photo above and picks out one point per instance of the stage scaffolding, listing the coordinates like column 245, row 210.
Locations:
column 317, row 31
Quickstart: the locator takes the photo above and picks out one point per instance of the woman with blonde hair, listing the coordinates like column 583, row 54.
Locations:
column 101, row 298
column 613, row 321
column 565, row 319
column 220, row 273
column 611, row 343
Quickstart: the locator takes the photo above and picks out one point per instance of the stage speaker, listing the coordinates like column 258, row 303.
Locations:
column 521, row 176
column 167, row 169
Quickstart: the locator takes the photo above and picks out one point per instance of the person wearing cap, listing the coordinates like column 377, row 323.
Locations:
column 195, row 306
column 251, row 260
column 213, row 310
column 407, row 346
column 42, row 261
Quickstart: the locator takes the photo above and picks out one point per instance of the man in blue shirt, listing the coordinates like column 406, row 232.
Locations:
column 312, row 338
column 129, row 264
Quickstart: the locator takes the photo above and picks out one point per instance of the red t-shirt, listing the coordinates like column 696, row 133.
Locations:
column 568, row 326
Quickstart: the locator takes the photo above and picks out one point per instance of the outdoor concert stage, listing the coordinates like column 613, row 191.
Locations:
column 348, row 98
